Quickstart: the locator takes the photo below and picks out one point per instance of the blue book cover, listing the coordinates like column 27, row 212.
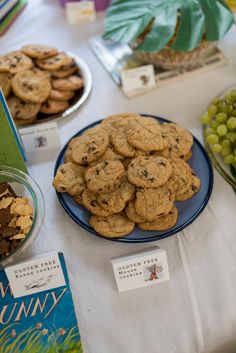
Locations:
column 42, row 322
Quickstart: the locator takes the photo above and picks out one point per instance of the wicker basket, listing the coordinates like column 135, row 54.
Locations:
column 169, row 59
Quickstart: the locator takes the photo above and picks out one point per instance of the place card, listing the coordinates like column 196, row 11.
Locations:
column 138, row 80
column 77, row 12
column 36, row 275
column 40, row 137
column 141, row 269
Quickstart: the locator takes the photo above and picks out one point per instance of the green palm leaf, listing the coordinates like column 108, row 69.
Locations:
column 127, row 19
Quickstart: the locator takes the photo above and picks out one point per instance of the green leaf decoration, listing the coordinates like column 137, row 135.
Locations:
column 216, row 13
column 191, row 16
column 184, row 22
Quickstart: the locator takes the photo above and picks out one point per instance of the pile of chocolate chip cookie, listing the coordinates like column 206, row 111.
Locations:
column 129, row 170
column 16, row 218
column 38, row 81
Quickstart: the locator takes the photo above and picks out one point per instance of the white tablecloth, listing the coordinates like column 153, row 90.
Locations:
column 195, row 311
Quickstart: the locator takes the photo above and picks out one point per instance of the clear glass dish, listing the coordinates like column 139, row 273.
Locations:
column 218, row 162
column 24, row 185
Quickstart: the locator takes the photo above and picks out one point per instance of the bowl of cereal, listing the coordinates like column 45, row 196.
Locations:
column 21, row 213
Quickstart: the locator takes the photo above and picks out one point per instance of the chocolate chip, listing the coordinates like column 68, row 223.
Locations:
column 194, row 188
column 93, row 203
column 144, row 173
column 91, row 149
column 105, row 202
column 162, row 163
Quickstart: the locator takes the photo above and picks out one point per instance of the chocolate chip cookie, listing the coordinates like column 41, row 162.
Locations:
column 149, row 172
column 132, row 214
column 147, row 138
column 61, row 96
column 90, row 146
column 53, row 106
column 193, row 188
column 31, row 87
column 89, row 200
column 181, row 176
column 54, row 62
column 116, row 200
column 39, row 51
column 71, row 83
column 151, row 203
column 114, row 226
column 22, row 110
column 178, row 139
column 70, row 178
column 163, row 222
column 15, row 62
column 5, row 83
column 105, row 176
column 65, row 70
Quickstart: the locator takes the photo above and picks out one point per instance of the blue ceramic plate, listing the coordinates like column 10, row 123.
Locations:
column 188, row 210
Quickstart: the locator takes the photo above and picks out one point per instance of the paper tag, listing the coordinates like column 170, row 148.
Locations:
column 141, row 269
column 77, row 12
column 36, row 275
column 40, row 137
column 137, row 80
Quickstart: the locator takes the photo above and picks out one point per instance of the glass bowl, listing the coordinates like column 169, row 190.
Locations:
column 224, row 169
column 23, row 185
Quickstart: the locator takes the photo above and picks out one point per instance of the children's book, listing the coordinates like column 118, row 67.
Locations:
column 11, row 148
column 36, row 308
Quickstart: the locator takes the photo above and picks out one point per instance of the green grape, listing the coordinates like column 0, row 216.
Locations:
column 214, row 124
column 225, row 143
column 231, row 136
column 229, row 159
column 228, row 96
column 209, row 131
column 235, row 151
column 235, row 161
column 216, row 101
column 222, row 130
column 221, row 117
column 212, row 139
column 234, row 112
column 233, row 93
column 225, row 151
column 217, row 148
column 231, row 123
column 205, row 119
column 212, row 110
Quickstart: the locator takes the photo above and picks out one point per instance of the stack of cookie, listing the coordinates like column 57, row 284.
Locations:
column 129, row 170
column 38, row 81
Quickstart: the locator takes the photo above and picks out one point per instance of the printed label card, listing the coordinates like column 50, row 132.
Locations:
column 141, row 269
column 82, row 11
column 39, row 138
column 138, row 80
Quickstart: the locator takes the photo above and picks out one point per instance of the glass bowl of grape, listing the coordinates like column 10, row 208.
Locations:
column 219, row 134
